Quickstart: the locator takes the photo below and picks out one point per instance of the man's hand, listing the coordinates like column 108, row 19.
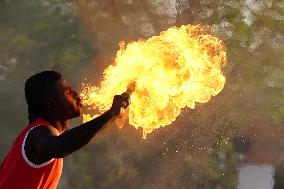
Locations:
column 120, row 101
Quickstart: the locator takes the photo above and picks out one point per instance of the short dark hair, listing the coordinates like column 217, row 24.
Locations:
column 37, row 89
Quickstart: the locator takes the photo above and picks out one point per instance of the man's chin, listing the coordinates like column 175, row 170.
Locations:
column 77, row 113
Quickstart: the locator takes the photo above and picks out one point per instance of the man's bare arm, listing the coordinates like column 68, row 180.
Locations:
column 45, row 142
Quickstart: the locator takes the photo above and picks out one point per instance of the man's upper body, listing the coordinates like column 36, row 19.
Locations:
column 36, row 158
column 18, row 170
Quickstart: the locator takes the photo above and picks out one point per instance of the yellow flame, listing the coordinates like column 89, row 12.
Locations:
column 172, row 71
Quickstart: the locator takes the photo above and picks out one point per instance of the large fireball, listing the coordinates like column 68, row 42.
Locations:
column 172, row 71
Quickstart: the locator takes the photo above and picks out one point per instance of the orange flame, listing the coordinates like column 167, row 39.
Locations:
column 172, row 71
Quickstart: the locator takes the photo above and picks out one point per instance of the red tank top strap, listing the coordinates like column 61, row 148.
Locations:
column 38, row 122
column 29, row 175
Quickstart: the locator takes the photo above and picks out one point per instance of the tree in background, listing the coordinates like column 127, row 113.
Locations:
column 36, row 36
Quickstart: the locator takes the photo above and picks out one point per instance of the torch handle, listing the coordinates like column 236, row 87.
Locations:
column 130, row 89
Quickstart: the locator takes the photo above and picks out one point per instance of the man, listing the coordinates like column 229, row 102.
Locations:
column 36, row 158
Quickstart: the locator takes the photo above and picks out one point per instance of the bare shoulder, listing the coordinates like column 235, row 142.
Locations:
column 38, row 141
column 43, row 131
column 41, row 135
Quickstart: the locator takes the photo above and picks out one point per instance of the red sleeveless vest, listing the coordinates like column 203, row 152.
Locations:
column 17, row 172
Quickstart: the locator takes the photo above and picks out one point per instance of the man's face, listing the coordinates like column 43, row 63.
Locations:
column 67, row 103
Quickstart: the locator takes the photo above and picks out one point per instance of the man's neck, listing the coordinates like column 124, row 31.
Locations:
column 60, row 125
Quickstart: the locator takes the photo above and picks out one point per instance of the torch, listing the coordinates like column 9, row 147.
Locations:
column 130, row 89
column 122, row 117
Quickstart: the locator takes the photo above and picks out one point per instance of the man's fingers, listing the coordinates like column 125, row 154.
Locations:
column 121, row 102
column 126, row 101
column 125, row 104
column 117, row 97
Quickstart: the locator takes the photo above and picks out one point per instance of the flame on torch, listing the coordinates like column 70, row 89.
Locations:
column 171, row 71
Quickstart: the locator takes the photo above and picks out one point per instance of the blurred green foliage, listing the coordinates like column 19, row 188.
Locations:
column 35, row 36
column 80, row 38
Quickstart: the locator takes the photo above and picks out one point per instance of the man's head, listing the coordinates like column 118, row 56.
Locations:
column 48, row 94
